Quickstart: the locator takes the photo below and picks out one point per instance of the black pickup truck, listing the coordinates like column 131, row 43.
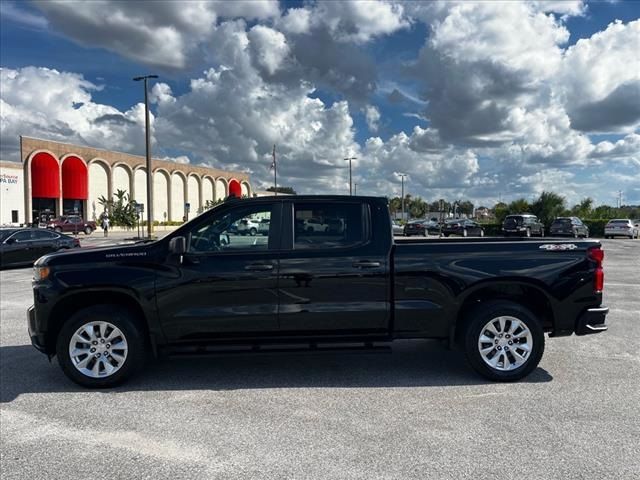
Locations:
column 201, row 290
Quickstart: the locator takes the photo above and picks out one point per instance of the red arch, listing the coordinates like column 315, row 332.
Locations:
column 45, row 176
column 74, row 179
column 235, row 190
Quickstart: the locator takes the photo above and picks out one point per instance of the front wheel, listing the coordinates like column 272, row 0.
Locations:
column 503, row 341
column 100, row 346
column 253, row 232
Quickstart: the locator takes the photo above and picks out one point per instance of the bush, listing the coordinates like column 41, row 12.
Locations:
column 492, row 229
column 596, row 226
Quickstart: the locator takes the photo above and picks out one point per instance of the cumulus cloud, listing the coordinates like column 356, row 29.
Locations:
column 372, row 116
column 600, row 80
column 46, row 103
column 166, row 35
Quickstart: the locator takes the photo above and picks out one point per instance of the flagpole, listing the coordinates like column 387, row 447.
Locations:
column 275, row 172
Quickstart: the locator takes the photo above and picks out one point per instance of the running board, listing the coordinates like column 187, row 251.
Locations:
column 200, row 350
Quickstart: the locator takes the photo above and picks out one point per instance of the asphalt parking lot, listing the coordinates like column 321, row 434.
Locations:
column 419, row 412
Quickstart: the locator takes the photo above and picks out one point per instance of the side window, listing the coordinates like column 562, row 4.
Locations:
column 328, row 226
column 239, row 229
column 44, row 235
column 22, row 236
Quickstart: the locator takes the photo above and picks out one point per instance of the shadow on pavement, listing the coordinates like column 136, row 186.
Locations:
column 422, row 363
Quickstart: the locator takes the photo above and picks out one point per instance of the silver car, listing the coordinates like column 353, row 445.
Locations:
column 622, row 227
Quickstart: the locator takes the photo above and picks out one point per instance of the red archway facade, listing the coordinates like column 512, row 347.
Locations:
column 235, row 190
column 45, row 176
column 75, row 180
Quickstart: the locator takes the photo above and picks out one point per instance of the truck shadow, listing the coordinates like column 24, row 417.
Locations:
column 416, row 363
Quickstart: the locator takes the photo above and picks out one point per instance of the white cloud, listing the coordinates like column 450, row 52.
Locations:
column 10, row 11
column 46, row 103
column 372, row 117
column 269, row 46
column 600, row 80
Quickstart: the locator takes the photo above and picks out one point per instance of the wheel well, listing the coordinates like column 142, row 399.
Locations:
column 528, row 296
column 74, row 303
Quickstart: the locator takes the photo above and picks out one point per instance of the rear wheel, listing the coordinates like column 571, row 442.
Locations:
column 88, row 230
column 253, row 232
column 503, row 341
column 528, row 233
column 100, row 346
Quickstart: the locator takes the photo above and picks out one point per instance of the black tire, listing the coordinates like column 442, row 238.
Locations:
column 465, row 233
column 120, row 318
column 474, row 326
column 57, row 230
column 542, row 233
column 528, row 233
column 253, row 232
column 482, row 232
column 88, row 230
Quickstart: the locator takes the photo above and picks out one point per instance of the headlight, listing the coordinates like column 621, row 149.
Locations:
column 40, row 273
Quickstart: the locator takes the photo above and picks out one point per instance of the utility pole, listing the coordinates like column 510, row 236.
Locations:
column 349, row 159
column 148, row 153
column 274, row 166
column 402, row 175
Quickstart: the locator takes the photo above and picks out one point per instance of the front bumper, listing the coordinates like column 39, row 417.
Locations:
column 37, row 338
column 592, row 321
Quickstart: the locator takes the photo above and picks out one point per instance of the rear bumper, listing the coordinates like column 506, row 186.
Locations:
column 592, row 321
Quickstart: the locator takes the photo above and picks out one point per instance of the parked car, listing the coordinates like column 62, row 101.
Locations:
column 396, row 228
column 523, row 225
column 263, row 226
column 72, row 224
column 315, row 225
column 622, row 227
column 569, row 226
column 248, row 226
column 191, row 293
column 462, row 227
column 22, row 246
column 421, row 227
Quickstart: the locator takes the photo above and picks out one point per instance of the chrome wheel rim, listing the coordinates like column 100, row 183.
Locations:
column 98, row 349
column 505, row 343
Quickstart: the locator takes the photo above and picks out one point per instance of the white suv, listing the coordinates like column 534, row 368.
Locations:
column 248, row 226
column 623, row 228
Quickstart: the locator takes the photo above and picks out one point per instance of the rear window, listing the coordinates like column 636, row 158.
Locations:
column 513, row 220
column 619, row 222
column 562, row 221
column 328, row 226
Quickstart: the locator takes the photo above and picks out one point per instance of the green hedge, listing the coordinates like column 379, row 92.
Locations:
column 596, row 227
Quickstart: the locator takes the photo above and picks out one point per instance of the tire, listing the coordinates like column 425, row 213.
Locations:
column 253, row 232
column 575, row 234
column 114, row 317
column 88, row 230
column 465, row 233
column 532, row 336
column 57, row 230
column 542, row 233
column 528, row 233
column 481, row 232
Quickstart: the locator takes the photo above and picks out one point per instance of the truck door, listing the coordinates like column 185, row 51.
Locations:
column 226, row 285
column 333, row 280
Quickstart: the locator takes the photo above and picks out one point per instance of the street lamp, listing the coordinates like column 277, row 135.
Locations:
column 349, row 159
column 402, row 175
column 148, row 153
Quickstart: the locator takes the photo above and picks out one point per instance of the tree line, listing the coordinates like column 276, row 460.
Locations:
column 546, row 207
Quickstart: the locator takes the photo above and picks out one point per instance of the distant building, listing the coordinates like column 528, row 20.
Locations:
column 56, row 178
column 483, row 213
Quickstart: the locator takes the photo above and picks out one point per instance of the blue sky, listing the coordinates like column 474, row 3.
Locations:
column 472, row 100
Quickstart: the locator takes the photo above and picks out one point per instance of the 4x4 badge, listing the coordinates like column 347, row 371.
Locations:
column 558, row 246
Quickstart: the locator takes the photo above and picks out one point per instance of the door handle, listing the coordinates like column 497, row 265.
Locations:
column 259, row 267
column 366, row 264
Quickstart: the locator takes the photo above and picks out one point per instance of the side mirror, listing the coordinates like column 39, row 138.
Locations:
column 178, row 245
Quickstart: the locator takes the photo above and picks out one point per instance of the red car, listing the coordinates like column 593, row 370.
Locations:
column 72, row 224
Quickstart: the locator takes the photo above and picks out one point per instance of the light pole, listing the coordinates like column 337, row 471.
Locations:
column 349, row 159
column 148, row 152
column 402, row 175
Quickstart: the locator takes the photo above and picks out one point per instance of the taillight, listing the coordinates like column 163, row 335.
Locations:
column 597, row 255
